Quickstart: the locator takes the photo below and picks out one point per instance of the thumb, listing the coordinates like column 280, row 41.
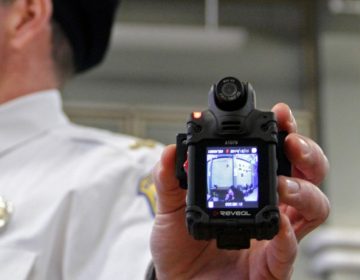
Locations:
column 170, row 197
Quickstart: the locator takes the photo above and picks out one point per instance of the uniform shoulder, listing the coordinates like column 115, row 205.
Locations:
column 116, row 141
column 113, row 158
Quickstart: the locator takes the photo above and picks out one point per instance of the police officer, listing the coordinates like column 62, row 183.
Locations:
column 76, row 202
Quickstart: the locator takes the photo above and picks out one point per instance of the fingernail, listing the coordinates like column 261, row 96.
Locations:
column 292, row 186
column 292, row 123
column 305, row 147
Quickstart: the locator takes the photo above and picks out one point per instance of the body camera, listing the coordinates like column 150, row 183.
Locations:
column 228, row 161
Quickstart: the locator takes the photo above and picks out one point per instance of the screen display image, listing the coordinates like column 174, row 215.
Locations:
column 232, row 177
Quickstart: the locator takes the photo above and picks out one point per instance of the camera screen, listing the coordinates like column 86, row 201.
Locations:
column 232, row 177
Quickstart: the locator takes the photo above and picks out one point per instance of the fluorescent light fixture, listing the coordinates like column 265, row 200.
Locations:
column 178, row 37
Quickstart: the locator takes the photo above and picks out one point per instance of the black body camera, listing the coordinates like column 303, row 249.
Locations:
column 228, row 161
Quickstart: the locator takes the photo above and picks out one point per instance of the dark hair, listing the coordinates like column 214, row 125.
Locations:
column 62, row 54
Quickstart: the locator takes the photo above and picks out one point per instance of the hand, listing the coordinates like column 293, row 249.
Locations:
column 303, row 207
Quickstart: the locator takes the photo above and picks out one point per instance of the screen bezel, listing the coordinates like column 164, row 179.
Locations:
column 199, row 196
column 222, row 152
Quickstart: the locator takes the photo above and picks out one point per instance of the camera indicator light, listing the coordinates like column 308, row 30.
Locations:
column 197, row 115
column 186, row 166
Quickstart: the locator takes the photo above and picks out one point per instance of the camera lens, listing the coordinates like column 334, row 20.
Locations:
column 229, row 91
column 230, row 94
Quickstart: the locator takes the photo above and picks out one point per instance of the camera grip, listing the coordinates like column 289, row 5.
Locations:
column 284, row 165
column 181, row 157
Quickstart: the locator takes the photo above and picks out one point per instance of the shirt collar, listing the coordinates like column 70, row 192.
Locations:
column 26, row 117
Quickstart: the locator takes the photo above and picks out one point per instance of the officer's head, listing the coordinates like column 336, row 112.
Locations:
column 73, row 35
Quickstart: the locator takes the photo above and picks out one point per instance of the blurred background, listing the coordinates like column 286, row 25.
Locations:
column 165, row 55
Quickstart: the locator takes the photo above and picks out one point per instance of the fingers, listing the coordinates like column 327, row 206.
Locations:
column 301, row 200
column 285, row 118
column 282, row 251
column 170, row 197
column 307, row 207
column 307, row 158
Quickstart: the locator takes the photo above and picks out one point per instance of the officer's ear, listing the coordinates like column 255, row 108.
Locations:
column 28, row 19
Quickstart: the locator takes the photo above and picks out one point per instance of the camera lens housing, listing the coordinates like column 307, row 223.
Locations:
column 230, row 94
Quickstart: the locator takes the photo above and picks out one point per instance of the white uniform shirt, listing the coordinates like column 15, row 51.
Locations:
column 79, row 206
